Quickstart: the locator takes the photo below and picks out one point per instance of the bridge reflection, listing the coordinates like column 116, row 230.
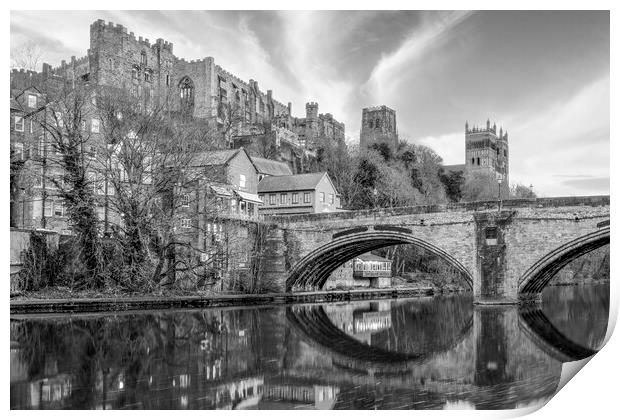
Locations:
column 419, row 353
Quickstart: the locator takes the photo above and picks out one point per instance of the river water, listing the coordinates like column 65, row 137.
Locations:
column 424, row 353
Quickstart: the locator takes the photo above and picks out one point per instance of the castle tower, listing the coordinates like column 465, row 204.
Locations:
column 487, row 153
column 312, row 124
column 379, row 126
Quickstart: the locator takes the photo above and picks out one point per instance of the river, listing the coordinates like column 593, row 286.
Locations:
column 423, row 353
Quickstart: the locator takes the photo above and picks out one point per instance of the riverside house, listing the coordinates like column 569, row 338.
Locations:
column 298, row 194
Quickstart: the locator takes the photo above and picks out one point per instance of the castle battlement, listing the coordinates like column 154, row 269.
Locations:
column 486, row 130
column 121, row 30
column 231, row 76
column 377, row 108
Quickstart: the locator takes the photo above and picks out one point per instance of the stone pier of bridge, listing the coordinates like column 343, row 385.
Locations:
column 505, row 255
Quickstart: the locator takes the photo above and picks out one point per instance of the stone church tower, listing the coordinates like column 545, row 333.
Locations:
column 486, row 152
column 378, row 126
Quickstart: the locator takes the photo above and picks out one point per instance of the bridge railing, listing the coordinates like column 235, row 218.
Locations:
column 513, row 203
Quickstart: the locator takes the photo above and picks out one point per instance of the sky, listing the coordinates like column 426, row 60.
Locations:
column 541, row 75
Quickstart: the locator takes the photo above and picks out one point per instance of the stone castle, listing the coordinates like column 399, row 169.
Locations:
column 197, row 88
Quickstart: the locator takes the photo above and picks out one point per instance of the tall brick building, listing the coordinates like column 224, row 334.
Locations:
column 379, row 126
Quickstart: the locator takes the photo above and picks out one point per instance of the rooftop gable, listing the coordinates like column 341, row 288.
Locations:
column 290, row 182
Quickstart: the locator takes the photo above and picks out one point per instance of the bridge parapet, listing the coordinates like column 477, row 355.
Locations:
column 537, row 205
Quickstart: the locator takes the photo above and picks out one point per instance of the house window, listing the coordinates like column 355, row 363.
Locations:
column 59, row 209
column 186, row 223
column 241, row 181
column 306, row 197
column 295, row 198
column 47, row 208
column 111, row 190
column 31, row 127
column 261, row 198
column 185, row 200
column 472, row 161
column 19, row 124
column 283, row 198
column 58, row 119
column 94, row 126
column 272, row 199
column 322, row 197
column 331, row 198
column 32, row 101
column 18, row 150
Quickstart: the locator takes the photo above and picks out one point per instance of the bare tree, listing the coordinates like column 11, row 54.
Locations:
column 62, row 163
column 480, row 186
column 157, row 166
column 26, row 56
column 522, row 191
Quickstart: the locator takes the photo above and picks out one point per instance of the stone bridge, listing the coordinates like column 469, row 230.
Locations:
column 505, row 255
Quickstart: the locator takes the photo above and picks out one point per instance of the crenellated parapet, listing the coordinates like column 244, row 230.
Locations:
column 119, row 30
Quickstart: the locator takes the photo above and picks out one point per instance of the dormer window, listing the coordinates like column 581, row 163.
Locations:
column 32, row 101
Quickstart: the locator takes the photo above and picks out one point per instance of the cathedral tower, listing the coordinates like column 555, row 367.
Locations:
column 379, row 126
column 486, row 152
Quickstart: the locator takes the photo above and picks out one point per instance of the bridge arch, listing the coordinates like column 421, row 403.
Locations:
column 535, row 278
column 313, row 323
column 542, row 332
column 314, row 269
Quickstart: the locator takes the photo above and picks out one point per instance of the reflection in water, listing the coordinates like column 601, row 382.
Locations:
column 579, row 312
column 416, row 353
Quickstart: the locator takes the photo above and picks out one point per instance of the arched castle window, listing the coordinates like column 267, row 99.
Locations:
column 135, row 71
column 186, row 87
column 143, row 58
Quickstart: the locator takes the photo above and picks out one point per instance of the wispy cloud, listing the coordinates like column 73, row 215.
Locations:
column 432, row 33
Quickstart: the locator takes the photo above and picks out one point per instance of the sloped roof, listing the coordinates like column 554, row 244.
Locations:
column 271, row 167
column 290, row 182
column 214, row 157
column 222, row 190
column 249, row 197
column 15, row 105
column 371, row 257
